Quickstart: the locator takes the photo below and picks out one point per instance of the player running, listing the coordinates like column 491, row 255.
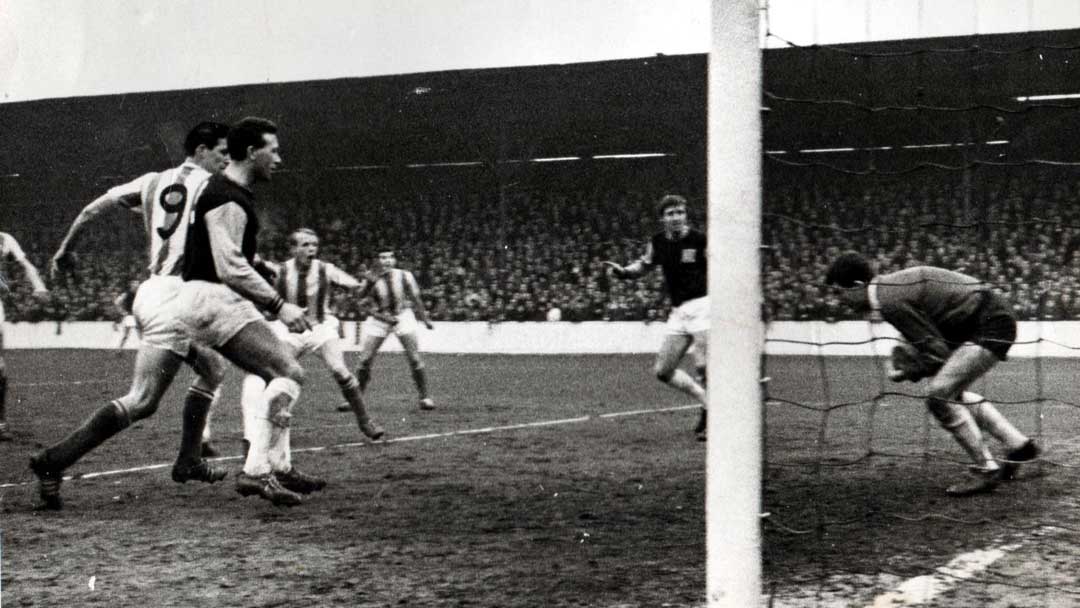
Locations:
column 306, row 281
column 679, row 250
column 395, row 294
column 165, row 200
column 9, row 248
column 217, row 304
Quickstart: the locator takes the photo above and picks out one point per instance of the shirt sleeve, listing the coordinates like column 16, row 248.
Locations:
column 339, row 277
column 131, row 195
column 647, row 258
column 225, row 227
column 11, row 247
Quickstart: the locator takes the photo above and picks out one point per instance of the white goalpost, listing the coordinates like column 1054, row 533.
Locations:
column 736, row 338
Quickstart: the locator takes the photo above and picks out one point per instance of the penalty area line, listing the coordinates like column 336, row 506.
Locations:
column 409, row 438
column 923, row 589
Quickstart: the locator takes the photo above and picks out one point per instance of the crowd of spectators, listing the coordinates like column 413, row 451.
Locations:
column 1015, row 231
column 535, row 254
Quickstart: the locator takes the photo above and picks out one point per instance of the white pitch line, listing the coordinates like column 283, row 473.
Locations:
column 479, row 431
column 59, row 383
column 923, row 589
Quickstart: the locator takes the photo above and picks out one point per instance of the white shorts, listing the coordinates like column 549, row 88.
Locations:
column 406, row 324
column 128, row 322
column 689, row 318
column 312, row 339
column 156, row 315
column 213, row 313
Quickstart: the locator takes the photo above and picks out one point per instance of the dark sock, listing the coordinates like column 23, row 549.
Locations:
column 3, row 396
column 419, row 376
column 107, row 421
column 363, row 376
column 196, row 408
column 351, row 390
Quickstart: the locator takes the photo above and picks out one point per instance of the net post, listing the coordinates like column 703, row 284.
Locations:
column 736, row 336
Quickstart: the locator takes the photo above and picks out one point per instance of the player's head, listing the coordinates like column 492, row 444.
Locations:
column 671, row 209
column 304, row 244
column 207, row 146
column 851, row 272
column 253, row 141
column 386, row 259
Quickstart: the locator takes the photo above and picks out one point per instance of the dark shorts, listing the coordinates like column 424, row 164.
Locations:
column 993, row 326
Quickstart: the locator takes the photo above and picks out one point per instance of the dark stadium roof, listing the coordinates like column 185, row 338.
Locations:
column 816, row 98
column 955, row 90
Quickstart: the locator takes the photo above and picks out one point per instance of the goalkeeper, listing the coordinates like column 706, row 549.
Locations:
column 957, row 330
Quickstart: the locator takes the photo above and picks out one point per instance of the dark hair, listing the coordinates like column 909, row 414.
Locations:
column 668, row 200
column 248, row 131
column 204, row 134
column 851, row 267
column 293, row 238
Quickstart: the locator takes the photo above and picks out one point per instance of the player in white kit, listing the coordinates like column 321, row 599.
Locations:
column 165, row 201
column 306, row 281
column 9, row 248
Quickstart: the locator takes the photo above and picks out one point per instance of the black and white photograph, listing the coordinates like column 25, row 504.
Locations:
column 407, row 303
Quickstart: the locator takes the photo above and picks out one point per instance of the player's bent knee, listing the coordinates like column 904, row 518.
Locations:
column 213, row 375
column 141, row 410
column 294, row 372
column 946, row 412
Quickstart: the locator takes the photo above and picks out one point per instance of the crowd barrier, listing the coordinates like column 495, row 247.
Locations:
column 845, row 338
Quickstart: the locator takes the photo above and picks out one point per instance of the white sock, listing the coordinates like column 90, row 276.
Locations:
column 992, row 421
column 209, row 414
column 252, row 401
column 967, row 434
column 281, row 394
column 682, row 381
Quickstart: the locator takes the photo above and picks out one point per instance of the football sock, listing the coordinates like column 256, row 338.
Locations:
column 196, row 412
column 967, row 434
column 281, row 394
column 992, row 421
column 682, row 381
column 107, row 421
column 3, row 396
column 350, row 389
column 363, row 376
column 251, row 401
column 419, row 376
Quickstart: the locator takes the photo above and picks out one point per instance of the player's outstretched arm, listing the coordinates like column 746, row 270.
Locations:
column 12, row 247
column 63, row 260
column 633, row 269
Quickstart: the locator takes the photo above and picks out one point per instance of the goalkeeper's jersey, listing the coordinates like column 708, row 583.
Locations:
column 931, row 307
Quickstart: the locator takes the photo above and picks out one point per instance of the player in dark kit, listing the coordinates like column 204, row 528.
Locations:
column 679, row 250
column 958, row 329
column 222, row 287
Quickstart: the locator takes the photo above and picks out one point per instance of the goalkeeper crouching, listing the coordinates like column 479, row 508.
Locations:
column 957, row 330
